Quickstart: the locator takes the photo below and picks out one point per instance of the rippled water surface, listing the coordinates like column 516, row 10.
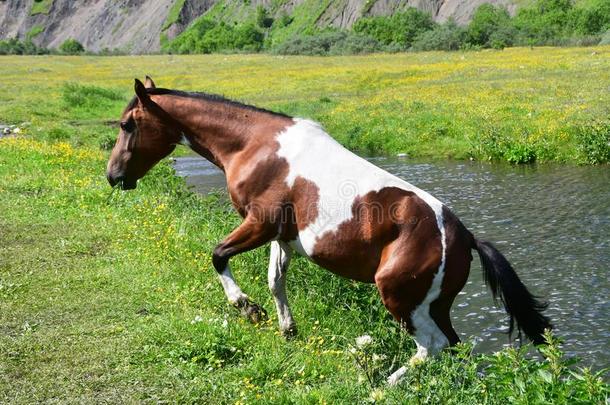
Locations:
column 551, row 221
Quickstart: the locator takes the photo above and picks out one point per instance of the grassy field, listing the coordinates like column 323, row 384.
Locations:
column 112, row 298
column 520, row 105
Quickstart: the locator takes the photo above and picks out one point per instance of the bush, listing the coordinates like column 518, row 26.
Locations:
column 497, row 143
column 486, row 23
column 71, row 47
column 15, row 47
column 503, row 37
column 329, row 43
column 400, row 28
column 262, row 17
column 594, row 19
column 594, row 143
column 207, row 36
column 445, row 37
column 543, row 21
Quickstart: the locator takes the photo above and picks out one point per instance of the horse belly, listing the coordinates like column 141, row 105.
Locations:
column 349, row 257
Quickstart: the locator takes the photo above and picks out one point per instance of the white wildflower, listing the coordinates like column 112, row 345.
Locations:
column 197, row 320
column 378, row 357
column 363, row 341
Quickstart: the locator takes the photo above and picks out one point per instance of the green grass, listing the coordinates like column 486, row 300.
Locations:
column 41, row 7
column 34, row 32
column 112, row 298
column 173, row 15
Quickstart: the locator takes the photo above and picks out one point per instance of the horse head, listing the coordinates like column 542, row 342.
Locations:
column 147, row 134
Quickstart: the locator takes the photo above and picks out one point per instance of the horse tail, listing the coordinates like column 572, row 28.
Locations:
column 522, row 307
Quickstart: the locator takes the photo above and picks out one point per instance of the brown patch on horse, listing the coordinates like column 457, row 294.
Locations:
column 355, row 249
column 409, row 263
column 305, row 196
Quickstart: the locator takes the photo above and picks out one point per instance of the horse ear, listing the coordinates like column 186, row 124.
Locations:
column 141, row 91
column 149, row 84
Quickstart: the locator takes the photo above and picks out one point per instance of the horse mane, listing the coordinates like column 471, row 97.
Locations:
column 206, row 97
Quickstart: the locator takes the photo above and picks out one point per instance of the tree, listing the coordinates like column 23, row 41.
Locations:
column 486, row 21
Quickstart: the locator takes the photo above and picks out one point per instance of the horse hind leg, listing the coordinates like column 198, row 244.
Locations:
column 410, row 289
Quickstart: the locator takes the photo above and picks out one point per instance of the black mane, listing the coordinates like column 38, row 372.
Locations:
column 204, row 96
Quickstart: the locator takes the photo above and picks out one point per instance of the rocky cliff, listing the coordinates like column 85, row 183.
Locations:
column 137, row 26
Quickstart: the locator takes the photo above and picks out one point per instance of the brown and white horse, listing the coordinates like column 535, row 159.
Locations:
column 299, row 189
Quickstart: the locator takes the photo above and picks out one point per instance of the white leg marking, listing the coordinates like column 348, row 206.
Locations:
column 397, row 376
column 232, row 290
column 278, row 263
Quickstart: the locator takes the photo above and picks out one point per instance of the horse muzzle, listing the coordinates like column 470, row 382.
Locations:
column 123, row 182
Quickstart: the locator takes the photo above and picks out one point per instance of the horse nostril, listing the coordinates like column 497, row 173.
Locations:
column 113, row 181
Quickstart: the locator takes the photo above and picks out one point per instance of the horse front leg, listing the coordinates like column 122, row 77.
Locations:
column 279, row 259
column 251, row 234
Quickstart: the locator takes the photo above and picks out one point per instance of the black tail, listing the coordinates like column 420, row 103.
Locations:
column 519, row 303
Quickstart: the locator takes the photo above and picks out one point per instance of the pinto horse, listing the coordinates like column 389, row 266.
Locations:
column 297, row 188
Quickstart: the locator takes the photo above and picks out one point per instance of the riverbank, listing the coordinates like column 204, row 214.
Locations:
column 518, row 105
column 112, row 298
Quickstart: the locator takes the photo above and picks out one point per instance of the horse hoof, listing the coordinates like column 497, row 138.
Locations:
column 255, row 313
column 290, row 332
column 251, row 311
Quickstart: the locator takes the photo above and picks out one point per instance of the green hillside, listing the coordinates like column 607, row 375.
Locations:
column 240, row 26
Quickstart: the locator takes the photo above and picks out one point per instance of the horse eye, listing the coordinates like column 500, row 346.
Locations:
column 128, row 126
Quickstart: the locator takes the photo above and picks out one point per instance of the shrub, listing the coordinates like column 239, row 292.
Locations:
column 590, row 20
column 71, row 47
column 283, row 21
column 543, row 21
column 594, row 142
column 503, row 37
column 486, row 22
column 329, row 43
column 400, row 28
column 262, row 17
column 15, row 47
column 207, row 36
column 445, row 37
column 495, row 143
column 353, row 44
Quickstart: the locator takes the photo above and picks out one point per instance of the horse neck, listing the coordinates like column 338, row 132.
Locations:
column 217, row 130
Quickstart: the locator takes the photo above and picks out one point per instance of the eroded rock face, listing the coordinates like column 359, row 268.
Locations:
column 135, row 26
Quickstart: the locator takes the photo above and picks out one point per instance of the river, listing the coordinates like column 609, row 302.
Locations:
column 551, row 221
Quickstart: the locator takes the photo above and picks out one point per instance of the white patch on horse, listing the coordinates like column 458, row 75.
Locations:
column 340, row 176
column 232, row 290
column 397, row 375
